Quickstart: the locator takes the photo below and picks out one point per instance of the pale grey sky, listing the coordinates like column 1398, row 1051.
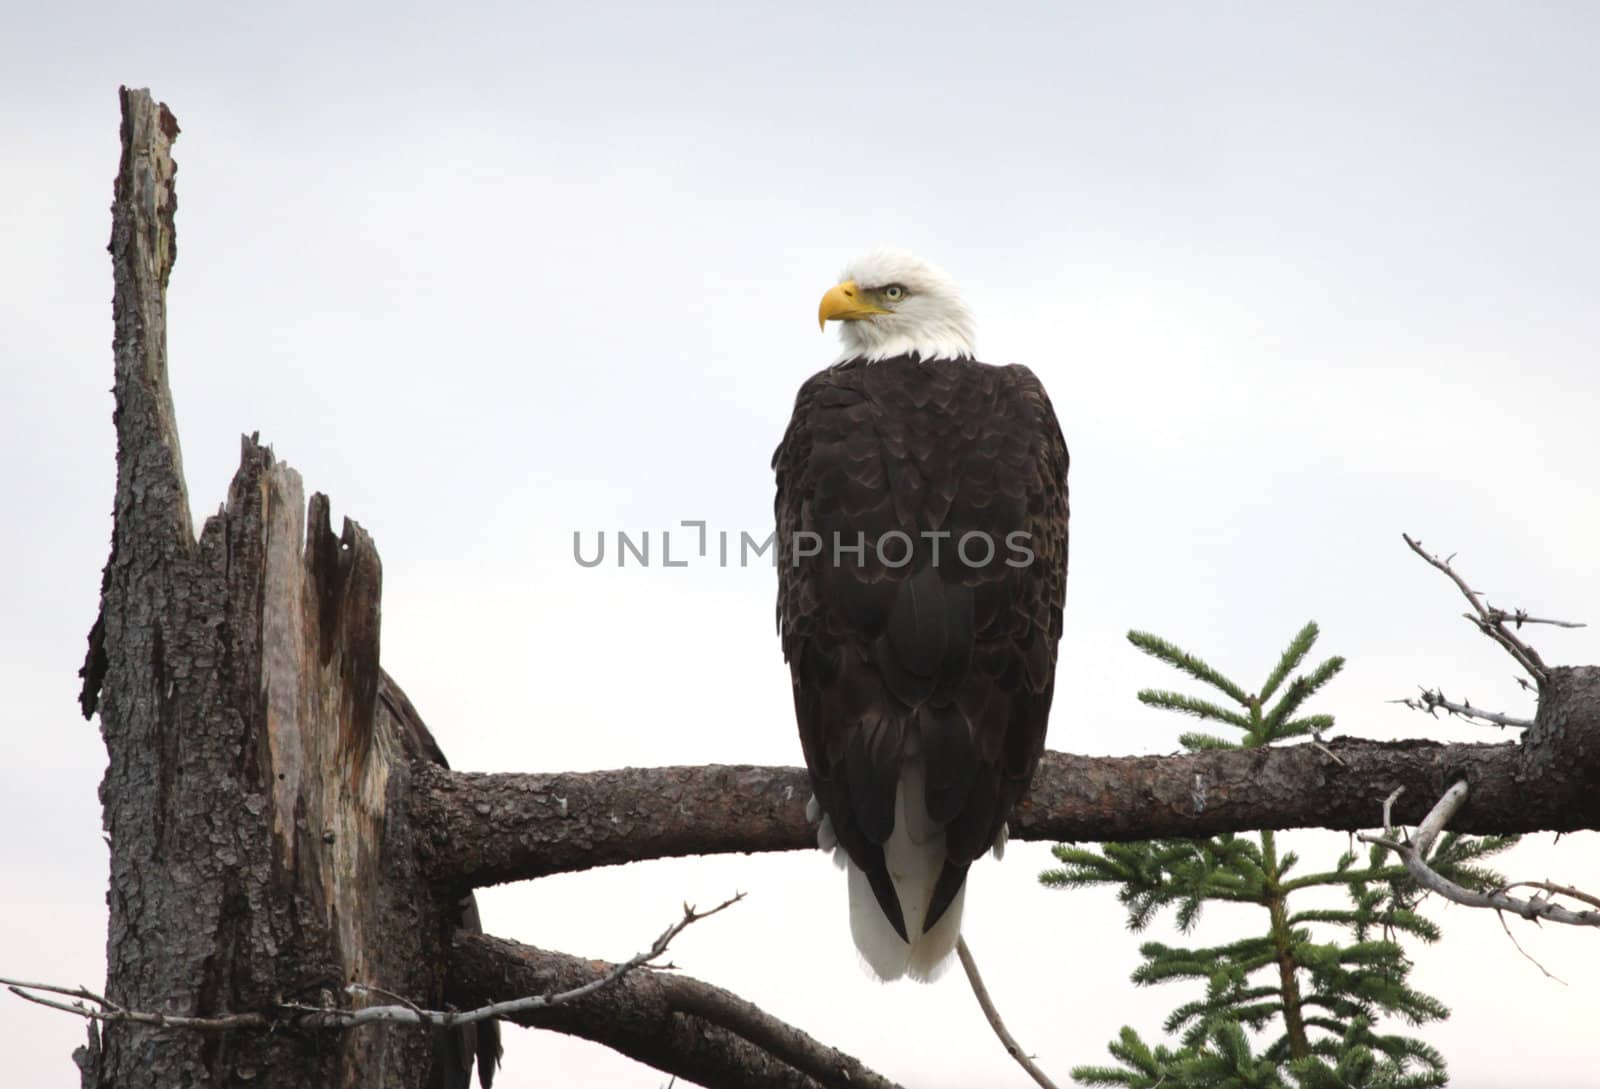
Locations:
column 1298, row 277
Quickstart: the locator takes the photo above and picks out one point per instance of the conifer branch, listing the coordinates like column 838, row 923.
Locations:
column 1293, row 655
column 1195, row 741
column 1157, row 647
column 1321, row 996
column 1191, row 705
column 1300, row 689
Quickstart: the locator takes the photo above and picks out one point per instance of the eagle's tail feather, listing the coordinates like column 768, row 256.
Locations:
column 930, row 953
column 915, row 858
column 880, row 947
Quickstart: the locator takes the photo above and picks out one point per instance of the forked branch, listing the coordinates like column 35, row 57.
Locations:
column 676, row 1024
column 1492, row 621
column 1414, row 853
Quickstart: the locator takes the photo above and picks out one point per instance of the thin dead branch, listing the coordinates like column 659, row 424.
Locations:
column 106, row 1010
column 1529, row 957
column 315, row 1017
column 1519, row 617
column 1432, row 701
column 981, row 992
column 1554, row 889
column 1492, row 621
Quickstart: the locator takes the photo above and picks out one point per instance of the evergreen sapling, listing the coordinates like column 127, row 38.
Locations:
column 1310, row 1002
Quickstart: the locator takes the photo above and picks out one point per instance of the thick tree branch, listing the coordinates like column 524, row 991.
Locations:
column 482, row 829
column 672, row 1022
column 680, row 1025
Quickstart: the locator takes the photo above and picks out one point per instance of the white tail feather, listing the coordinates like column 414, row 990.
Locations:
column 880, row 947
column 930, row 954
column 915, row 856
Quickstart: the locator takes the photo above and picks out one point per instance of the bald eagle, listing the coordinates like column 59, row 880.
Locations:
column 922, row 529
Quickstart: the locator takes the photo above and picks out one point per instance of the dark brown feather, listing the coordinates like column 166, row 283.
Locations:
column 955, row 647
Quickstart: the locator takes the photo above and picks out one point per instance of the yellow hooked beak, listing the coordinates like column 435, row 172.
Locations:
column 844, row 302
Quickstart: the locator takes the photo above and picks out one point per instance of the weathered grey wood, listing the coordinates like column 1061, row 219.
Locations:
column 254, row 799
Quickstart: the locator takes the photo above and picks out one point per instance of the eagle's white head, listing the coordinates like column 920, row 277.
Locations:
column 890, row 303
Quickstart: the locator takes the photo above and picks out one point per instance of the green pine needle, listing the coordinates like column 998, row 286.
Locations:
column 1296, row 651
column 1157, row 647
column 1350, row 973
column 1189, row 705
column 1197, row 742
column 1300, row 689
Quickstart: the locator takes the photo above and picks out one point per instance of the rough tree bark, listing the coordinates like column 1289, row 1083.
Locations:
column 255, row 798
column 675, row 1024
column 482, row 829
column 281, row 824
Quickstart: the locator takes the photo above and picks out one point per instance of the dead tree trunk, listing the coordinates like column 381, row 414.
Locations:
column 282, row 826
column 255, row 798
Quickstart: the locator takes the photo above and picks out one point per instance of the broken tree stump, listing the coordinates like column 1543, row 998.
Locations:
column 256, row 797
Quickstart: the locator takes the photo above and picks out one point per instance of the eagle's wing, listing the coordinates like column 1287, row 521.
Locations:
column 954, row 654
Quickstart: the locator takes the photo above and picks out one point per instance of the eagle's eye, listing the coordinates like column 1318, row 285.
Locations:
column 894, row 292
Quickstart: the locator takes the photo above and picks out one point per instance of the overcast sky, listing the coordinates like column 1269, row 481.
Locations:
column 1298, row 278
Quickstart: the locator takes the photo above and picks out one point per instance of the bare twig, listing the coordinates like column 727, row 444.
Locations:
column 1492, row 621
column 1317, row 743
column 382, row 992
column 1013, row 1048
column 320, row 1017
column 1432, row 701
column 110, row 1011
column 1519, row 617
column 1531, row 959
column 402, row 1015
column 1415, row 852
column 1388, row 806
column 1554, row 889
